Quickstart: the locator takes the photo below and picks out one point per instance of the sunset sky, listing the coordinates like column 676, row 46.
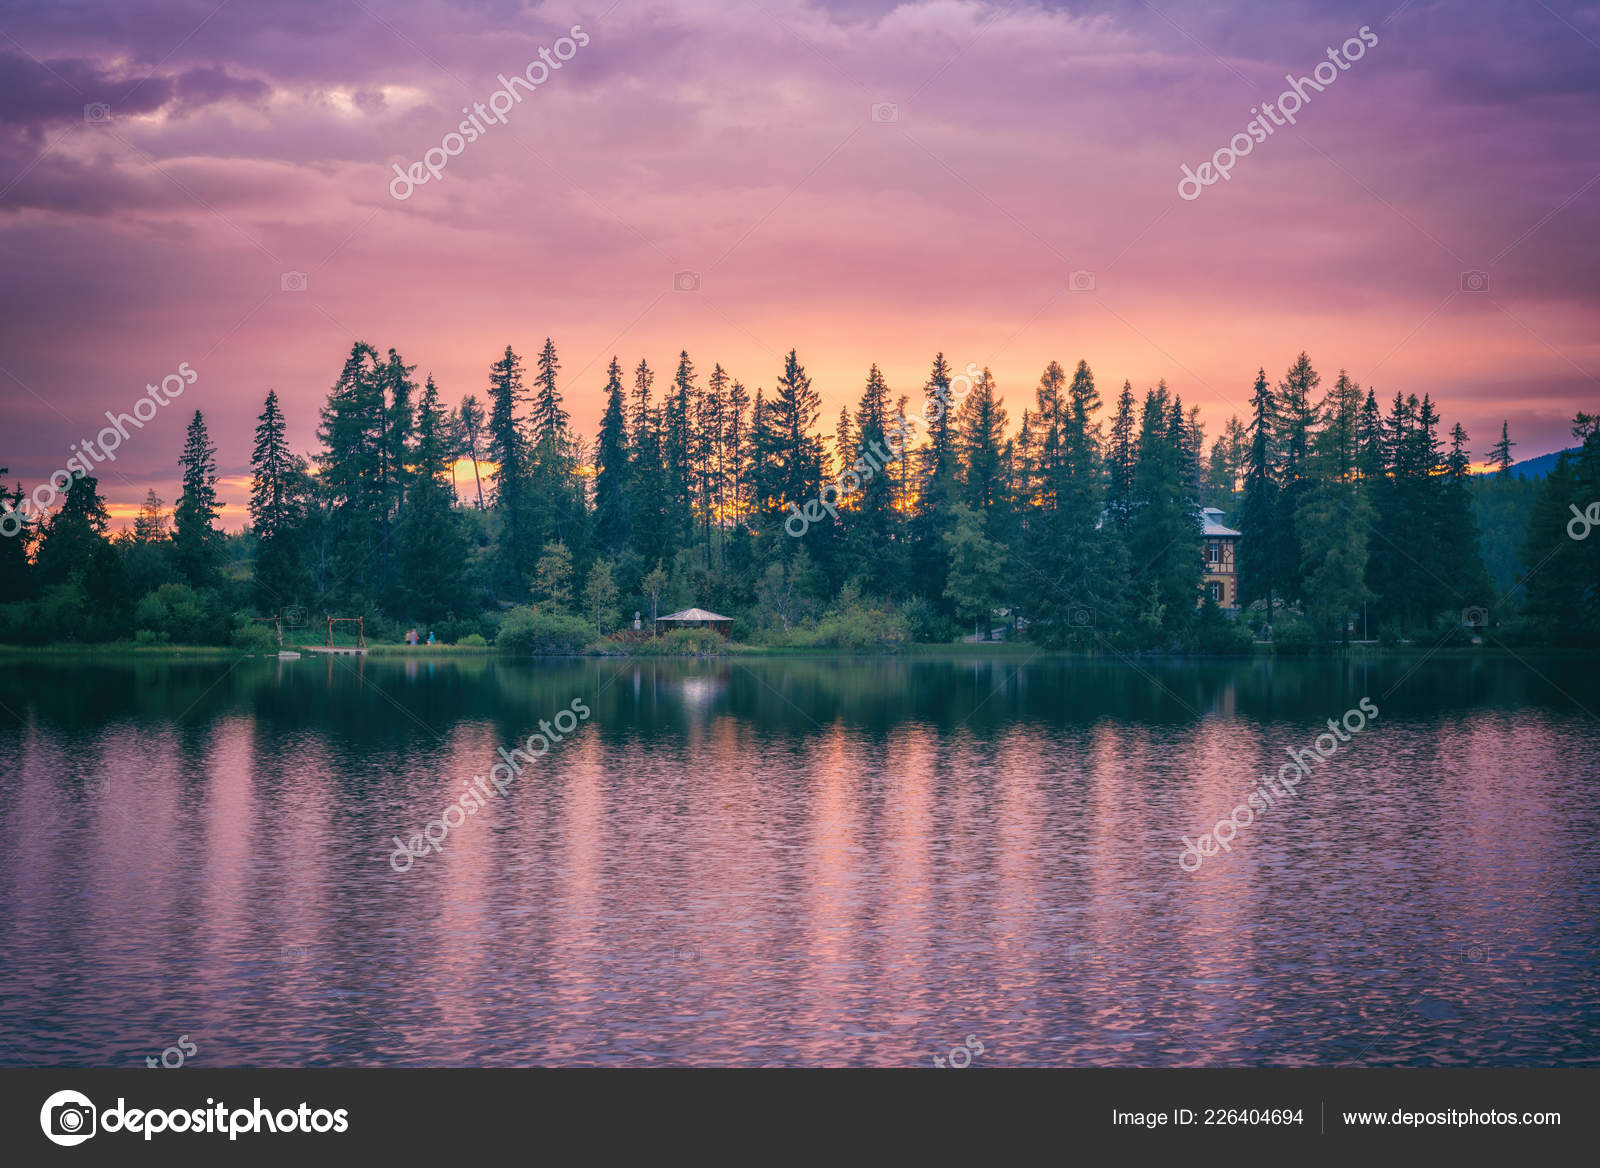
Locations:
column 860, row 181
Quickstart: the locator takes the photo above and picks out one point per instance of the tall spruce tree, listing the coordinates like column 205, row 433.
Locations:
column 433, row 545
column 513, row 476
column 1500, row 452
column 1259, row 561
column 876, row 545
column 196, row 540
column 278, row 489
column 611, row 519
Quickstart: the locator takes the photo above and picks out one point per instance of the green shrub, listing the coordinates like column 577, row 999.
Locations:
column 1225, row 637
column 682, row 643
column 926, row 624
column 1448, row 631
column 186, row 616
column 525, row 631
column 19, row 623
column 255, row 636
column 854, row 623
column 1293, row 637
column 475, row 640
column 1389, row 635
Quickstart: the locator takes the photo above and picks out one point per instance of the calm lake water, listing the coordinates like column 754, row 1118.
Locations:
column 815, row 862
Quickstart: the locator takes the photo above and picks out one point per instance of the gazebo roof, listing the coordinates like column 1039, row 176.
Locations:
column 695, row 614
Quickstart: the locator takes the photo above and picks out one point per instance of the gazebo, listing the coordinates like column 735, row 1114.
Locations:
column 695, row 618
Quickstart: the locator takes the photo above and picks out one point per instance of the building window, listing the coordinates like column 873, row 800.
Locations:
column 1214, row 552
column 1217, row 590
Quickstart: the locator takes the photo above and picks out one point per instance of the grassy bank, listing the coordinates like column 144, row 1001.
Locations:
column 1016, row 650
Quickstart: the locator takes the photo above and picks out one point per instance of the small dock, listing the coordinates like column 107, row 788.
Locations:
column 335, row 650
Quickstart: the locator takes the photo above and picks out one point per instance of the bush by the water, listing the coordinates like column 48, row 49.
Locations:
column 1292, row 637
column 550, row 633
column 682, row 643
column 187, row 617
column 254, row 636
column 1216, row 632
column 852, row 623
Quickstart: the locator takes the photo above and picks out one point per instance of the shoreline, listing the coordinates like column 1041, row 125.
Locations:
column 997, row 649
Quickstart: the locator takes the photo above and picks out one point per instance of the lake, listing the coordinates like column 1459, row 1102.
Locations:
column 799, row 861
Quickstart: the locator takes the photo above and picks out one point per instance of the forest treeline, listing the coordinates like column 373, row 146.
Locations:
column 1077, row 527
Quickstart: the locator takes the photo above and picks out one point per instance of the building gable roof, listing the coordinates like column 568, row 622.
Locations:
column 1213, row 526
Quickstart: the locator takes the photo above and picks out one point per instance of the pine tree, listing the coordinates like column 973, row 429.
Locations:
column 555, row 503
column 873, row 525
column 1164, row 532
column 508, row 450
column 1075, row 565
column 1459, row 567
column 469, row 425
column 936, row 487
column 980, row 442
column 196, row 539
column 676, row 444
column 152, row 524
column 734, row 439
column 710, row 457
column 1371, row 458
column 1122, row 456
column 278, row 486
column 433, row 544
column 351, row 479
column 1258, row 559
column 70, row 538
column 1561, row 584
column 1334, row 516
column 15, row 571
column 611, row 468
column 1297, row 419
column 548, row 417
column 1500, row 453
column 396, row 423
column 792, row 459
column 652, row 541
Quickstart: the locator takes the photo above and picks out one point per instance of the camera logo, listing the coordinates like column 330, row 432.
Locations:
column 1080, row 281
column 293, row 282
column 1081, row 616
column 686, row 282
column 885, row 111
column 1475, row 616
column 97, row 113
column 1474, row 281
column 67, row 1118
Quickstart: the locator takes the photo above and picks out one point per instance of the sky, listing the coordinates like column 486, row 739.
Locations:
column 214, row 185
